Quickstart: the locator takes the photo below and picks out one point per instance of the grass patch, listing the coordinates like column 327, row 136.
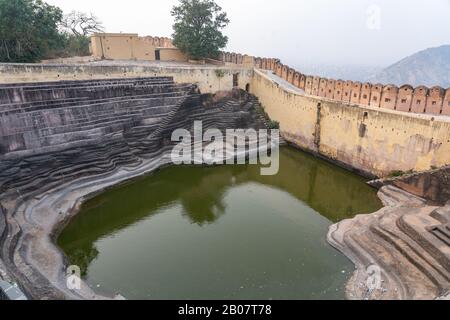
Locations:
column 399, row 173
column 273, row 125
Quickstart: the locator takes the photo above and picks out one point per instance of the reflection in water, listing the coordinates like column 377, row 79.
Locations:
column 212, row 199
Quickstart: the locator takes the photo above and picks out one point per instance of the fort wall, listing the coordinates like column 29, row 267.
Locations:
column 171, row 54
column 60, row 140
column 372, row 138
column 204, row 77
column 377, row 141
column 434, row 101
column 422, row 100
column 129, row 46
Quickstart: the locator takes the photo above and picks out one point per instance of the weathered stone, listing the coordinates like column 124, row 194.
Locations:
column 399, row 241
column 78, row 139
column 433, row 185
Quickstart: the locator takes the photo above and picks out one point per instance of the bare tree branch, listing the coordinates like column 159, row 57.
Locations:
column 81, row 24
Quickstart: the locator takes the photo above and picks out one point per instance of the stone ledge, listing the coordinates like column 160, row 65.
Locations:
column 409, row 267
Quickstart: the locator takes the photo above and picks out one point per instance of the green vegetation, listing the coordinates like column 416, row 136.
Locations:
column 75, row 46
column 273, row 125
column 32, row 30
column 77, row 26
column 197, row 28
column 220, row 73
column 399, row 173
column 29, row 30
column 396, row 173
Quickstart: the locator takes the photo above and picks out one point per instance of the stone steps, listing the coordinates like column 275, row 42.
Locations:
column 170, row 91
column 29, row 92
column 396, row 238
column 96, row 118
column 442, row 233
column 418, row 257
column 102, row 107
column 255, row 101
column 86, row 82
column 101, row 140
column 418, row 226
column 173, row 91
column 137, row 125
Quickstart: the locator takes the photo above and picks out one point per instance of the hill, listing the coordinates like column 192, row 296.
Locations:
column 428, row 67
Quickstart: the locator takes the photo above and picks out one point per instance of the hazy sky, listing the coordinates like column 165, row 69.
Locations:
column 335, row 32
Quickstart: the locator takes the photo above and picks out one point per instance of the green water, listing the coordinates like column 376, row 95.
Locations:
column 220, row 232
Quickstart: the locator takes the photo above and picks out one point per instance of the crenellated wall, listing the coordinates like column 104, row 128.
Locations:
column 375, row 141
column 434, row 101
column 358, row 124
column 129, row 46
column 86, row 136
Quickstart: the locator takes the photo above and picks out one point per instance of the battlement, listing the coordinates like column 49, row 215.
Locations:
column 422, row 100
column 434, row 101
column 129, row 46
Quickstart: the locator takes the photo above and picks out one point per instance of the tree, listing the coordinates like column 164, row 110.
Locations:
column 75, row 46
column 197, row 28
column 81, row 24
column 77, row 26
column 28, row 30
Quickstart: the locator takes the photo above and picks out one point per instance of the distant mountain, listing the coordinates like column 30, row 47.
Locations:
column 429, row 67
column 346, row 72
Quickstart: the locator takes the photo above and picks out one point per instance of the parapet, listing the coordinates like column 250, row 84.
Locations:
column 129, row 46
column 435, row 100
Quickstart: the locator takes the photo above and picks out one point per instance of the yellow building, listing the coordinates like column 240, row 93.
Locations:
column 129, row 46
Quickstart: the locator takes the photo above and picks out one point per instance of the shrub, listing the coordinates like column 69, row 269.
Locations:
column 273, row 125
column 220, row 73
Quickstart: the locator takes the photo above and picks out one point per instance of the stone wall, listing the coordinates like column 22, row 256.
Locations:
column 433, row 185
column 376, row 141
column 129, row 46
column 434, row 101
column 372, row 139
column 171, row 54
column 205, row 77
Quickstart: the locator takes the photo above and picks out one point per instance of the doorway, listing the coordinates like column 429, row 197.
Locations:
column 236, row 80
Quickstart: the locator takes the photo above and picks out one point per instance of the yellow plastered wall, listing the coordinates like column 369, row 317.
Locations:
column 113, row 46
column 143, row 50
column 295, row 114
column 121, row 46
column 374, row 140
column 377, row 141
column 129, row 46
column 172, row 54
column 205, row 77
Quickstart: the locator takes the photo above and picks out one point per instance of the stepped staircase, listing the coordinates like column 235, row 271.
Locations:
column 60, row 131
column 408, row 238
